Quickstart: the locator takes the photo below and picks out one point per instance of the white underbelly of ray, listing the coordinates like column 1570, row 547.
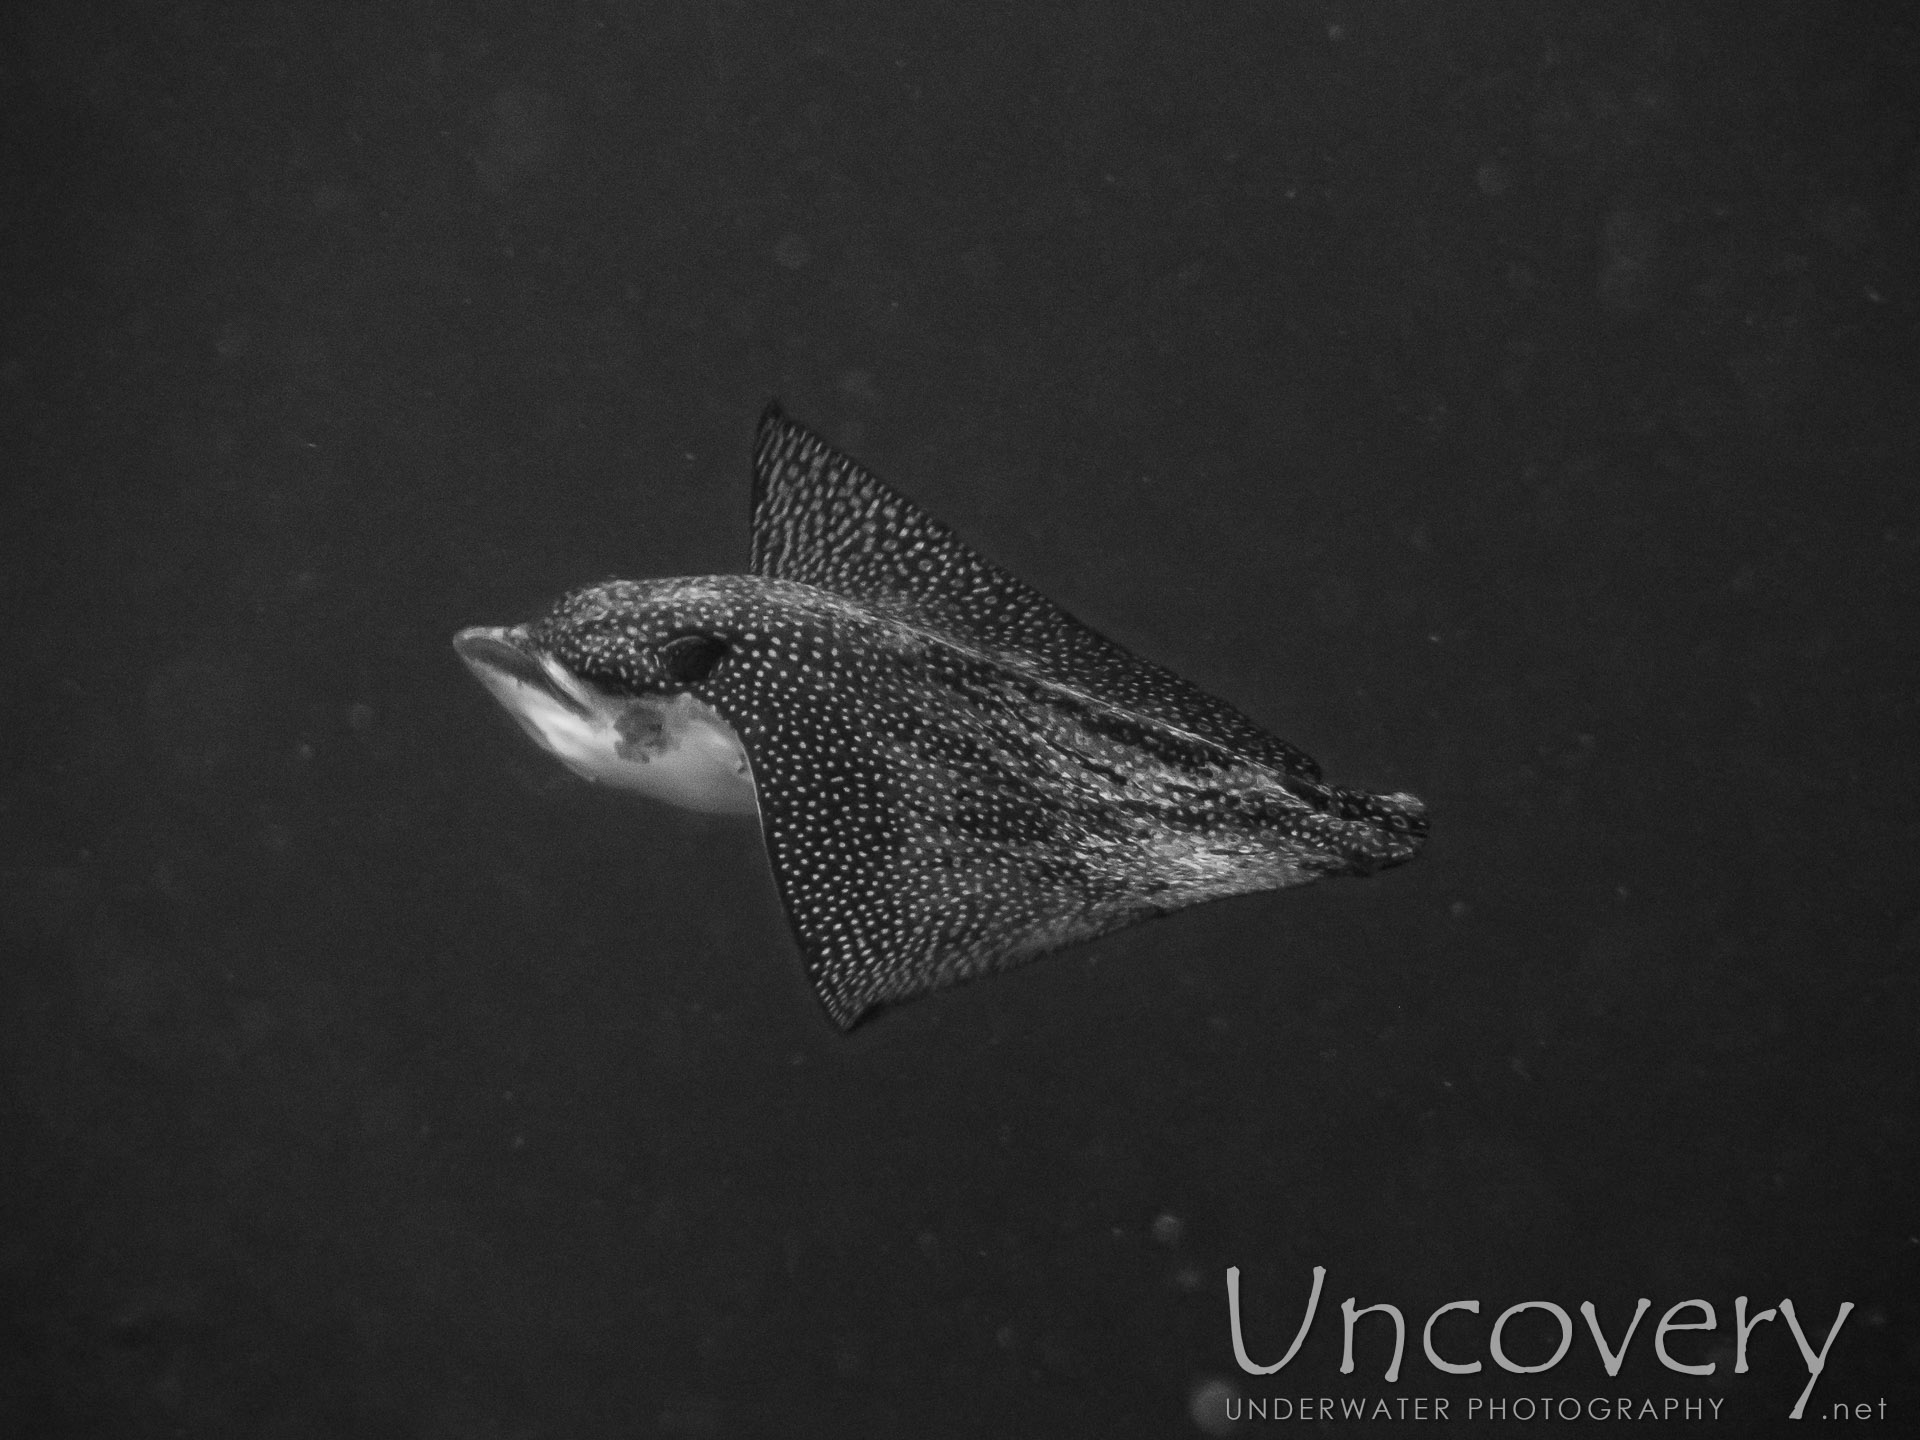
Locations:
column 671, row 748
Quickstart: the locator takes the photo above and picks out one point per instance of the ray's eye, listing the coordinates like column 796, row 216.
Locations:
column 689, row 659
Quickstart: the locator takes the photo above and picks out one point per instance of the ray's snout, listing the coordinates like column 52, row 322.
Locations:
column 488, row 645
column 515, row 670
column 496, row 652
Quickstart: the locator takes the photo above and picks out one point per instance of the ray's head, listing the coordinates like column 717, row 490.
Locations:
column 608, row 681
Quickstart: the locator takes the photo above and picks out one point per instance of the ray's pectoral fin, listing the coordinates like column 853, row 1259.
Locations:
column 822, row 518
column 901, row 869
column 851, row 925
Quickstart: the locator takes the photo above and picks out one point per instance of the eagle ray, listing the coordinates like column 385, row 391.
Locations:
column 953, row 775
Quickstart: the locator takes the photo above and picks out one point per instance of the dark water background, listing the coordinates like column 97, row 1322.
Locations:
column 1513, row 403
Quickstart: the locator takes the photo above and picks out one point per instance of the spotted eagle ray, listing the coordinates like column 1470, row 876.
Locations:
column 953, row 775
